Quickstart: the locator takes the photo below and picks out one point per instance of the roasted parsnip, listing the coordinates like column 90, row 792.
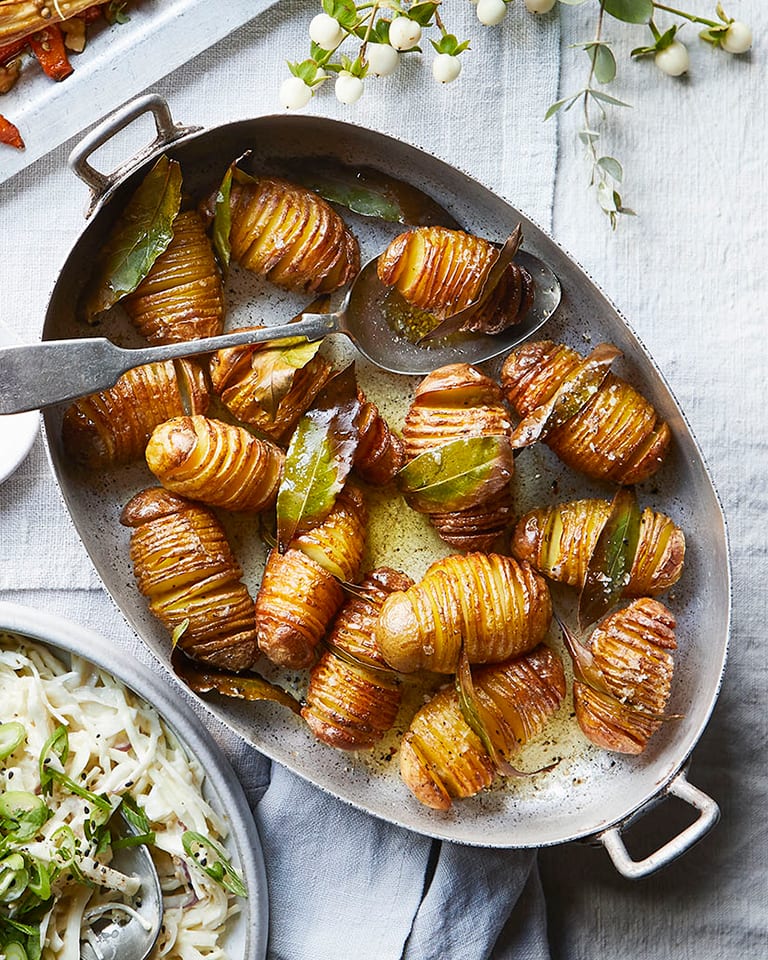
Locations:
column 442, row 271
column 442, row 758
column 218, row 463
column 291, row 236
column 353, row 697
column 113, row 426
column 492, row 605
column 559, row 541
column 625, row 681
column 616, row 435
column 244, row 379
column 300, row 592
column 456, row 402
column 185, row 567
column 181, row 298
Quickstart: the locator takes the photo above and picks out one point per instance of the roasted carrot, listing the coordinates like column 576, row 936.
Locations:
column 48, row 47
column 9, row 133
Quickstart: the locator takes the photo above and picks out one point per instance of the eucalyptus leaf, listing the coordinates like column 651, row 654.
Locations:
column 612, row 167
column 606, row 98
column 139, row 236
column 457, row 475
column 319, row 457
column 604, row 63
column 630, row 11
column 611, row 561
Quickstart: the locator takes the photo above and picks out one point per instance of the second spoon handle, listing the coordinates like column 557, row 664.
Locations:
column 39, row 375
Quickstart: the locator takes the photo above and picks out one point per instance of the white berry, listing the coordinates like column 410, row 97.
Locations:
column 325, row 31
column 673, row 60
column 294, row 93
column 491, row 12
column 404, row 33
column 539, row 6
column 738, row 38
column 382, row 59
column 348, row 88
column 445, row 67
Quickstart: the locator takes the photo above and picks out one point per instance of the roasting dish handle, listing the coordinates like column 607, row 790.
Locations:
column 709, row 814
column 166, row 132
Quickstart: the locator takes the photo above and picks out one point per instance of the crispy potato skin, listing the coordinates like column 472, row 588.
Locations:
column 617, row 436
column 631, row 650
column 239, row 373
column 348, row 705
column 291, row 236
column 442, row 271
column 559, row 541
column 113, row 426
column 454, row 402
column 183, row 564
column 299, row 597
column 442, row 758
column 493, row 605
column 380, row 452
column 181, row 298
column 218, row 463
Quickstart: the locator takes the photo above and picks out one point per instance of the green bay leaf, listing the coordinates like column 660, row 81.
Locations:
column 140, row 235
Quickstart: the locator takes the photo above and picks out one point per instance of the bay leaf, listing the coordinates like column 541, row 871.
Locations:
column 140, row 235
column 611, row 561
column 222, row 220
column 319, row 457
column 457, row 475
column 570, row 398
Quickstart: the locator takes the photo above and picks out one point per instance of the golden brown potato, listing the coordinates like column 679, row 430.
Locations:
column 456, row 402
column 559, row 541
column 185, row 567
column 616, row 436
column 300, row 591
column 441, row 756
column 113, row 426
column 243, row 377
column 379, row 453
column 349, row 705
column 442, row 271
column 219, row 463
column 491, row 605
column 631, row 657
column 181, row 298
column 291, row 236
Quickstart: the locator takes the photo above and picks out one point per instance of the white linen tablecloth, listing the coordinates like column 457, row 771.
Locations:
column 688, row 272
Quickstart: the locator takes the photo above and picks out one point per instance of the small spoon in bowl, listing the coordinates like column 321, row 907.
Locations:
column 43, row 374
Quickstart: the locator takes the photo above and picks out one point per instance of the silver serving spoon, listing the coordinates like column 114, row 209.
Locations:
column 117, row 934
column 17, row 432
column 53, row 371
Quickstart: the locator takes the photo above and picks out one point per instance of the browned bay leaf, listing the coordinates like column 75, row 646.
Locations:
column 572, row 396
column 222, row 212
column 457, row 475
column 319, row 457
column 140, row 235
column 611, row 561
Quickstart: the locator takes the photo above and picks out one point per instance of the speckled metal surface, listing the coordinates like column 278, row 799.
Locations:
column 589, row 791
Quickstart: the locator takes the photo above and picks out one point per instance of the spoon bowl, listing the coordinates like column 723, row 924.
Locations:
column 51, row 372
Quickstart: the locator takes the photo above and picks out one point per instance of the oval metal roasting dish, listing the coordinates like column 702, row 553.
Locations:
column 591, row 793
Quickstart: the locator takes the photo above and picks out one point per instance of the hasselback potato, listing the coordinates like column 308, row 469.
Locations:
column 243, row 378
column 113, row 426
column 291, row 236
column 442, row 271
column 185, row 567
column 628, row 682
column 492, row 606
column 617, row 435
column 300, row 592
column 456, row 402
column 181, row 298
column 380, row 452
column 349, row 705
column 442, row 758
column 218, row 463
column 559, row 541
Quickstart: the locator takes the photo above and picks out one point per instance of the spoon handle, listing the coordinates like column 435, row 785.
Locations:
column 42, row 374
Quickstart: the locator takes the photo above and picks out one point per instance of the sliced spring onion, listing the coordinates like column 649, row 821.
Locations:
column 14, row 877
column 21, row 815
column 15, row 951
column 12, row 735
column 58, row 746
column 213, row 861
